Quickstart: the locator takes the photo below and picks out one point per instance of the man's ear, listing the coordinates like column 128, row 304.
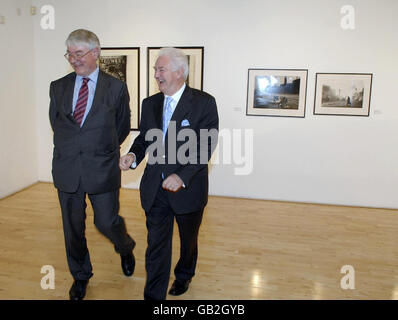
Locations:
column 96, row 52
column 180, row 73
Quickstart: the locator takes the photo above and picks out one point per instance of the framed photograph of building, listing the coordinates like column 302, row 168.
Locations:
column 124, row 64
column 195, row 62
column 276, row 92
column 345, row 94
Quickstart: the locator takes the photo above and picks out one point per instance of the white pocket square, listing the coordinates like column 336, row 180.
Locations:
column 184, row 123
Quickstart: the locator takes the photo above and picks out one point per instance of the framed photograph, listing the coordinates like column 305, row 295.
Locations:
column 195, row 62
column 276, row 92
column 124, row 64
column 345, row 94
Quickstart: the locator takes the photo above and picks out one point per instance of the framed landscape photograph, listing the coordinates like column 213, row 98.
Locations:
column 124, row 64
column 276, row 92
column 345, row 94
column 195, row 62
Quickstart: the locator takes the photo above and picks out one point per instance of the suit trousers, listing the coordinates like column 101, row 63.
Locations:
column 160, row 222
column 106, row 219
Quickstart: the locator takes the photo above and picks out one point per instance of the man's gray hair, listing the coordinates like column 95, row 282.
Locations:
column 83, row 37
column 178, row 59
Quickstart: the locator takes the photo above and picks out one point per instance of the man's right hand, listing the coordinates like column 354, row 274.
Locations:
column 126, row 161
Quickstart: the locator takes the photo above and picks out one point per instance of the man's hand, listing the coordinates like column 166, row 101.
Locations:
column 126, row 161
column 172, row 183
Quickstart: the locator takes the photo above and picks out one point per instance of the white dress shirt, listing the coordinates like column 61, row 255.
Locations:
column 175, row 99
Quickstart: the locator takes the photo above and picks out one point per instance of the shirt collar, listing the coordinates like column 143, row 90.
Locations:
column 92, row 76
column 177, row 96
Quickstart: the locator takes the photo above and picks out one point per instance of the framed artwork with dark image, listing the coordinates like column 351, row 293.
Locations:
column 124, row 64
column 346, row 94
column 276, row 92
column 195, row 63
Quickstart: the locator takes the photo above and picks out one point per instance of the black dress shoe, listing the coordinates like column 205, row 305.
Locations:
column 179, row 287
column 128, row 264
column 147, row 298
column 78, row 290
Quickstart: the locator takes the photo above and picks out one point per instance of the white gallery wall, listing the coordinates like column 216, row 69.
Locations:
column 18, row 125
column 319, row 159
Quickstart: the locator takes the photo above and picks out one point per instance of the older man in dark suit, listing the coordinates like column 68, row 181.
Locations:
column 174, row 184
column 90, row 117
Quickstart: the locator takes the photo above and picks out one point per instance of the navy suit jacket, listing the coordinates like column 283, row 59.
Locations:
column 89, row 154
column 195, row 110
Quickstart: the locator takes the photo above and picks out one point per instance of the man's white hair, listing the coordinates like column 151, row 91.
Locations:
column 178, row 59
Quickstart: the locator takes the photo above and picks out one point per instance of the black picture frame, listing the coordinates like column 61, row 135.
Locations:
column 196, row 67
column 124, row 64
column 343, row 94
column 276, row 92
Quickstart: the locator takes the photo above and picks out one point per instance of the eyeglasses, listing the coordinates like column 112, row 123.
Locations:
column 76, row 56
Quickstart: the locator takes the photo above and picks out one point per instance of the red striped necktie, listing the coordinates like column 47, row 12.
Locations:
column 81, row 102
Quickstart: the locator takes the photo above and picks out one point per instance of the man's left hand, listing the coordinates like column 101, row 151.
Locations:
column 172, row 183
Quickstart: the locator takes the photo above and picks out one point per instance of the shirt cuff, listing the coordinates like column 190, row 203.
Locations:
column 134, row 164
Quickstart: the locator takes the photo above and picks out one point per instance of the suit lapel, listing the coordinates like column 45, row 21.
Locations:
column 68, row 94
column 183, row 106
column 158, row 112
column 180, row 111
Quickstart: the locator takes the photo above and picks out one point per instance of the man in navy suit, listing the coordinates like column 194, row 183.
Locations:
column 174, row 185
column 90, row 117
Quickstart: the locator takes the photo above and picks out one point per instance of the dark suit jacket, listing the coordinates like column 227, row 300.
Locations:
column 89, row 155
column 196, row 110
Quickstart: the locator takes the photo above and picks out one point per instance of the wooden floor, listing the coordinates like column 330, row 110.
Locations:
column 248, row 249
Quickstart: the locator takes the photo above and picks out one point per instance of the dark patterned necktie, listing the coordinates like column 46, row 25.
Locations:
column 81, row 102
